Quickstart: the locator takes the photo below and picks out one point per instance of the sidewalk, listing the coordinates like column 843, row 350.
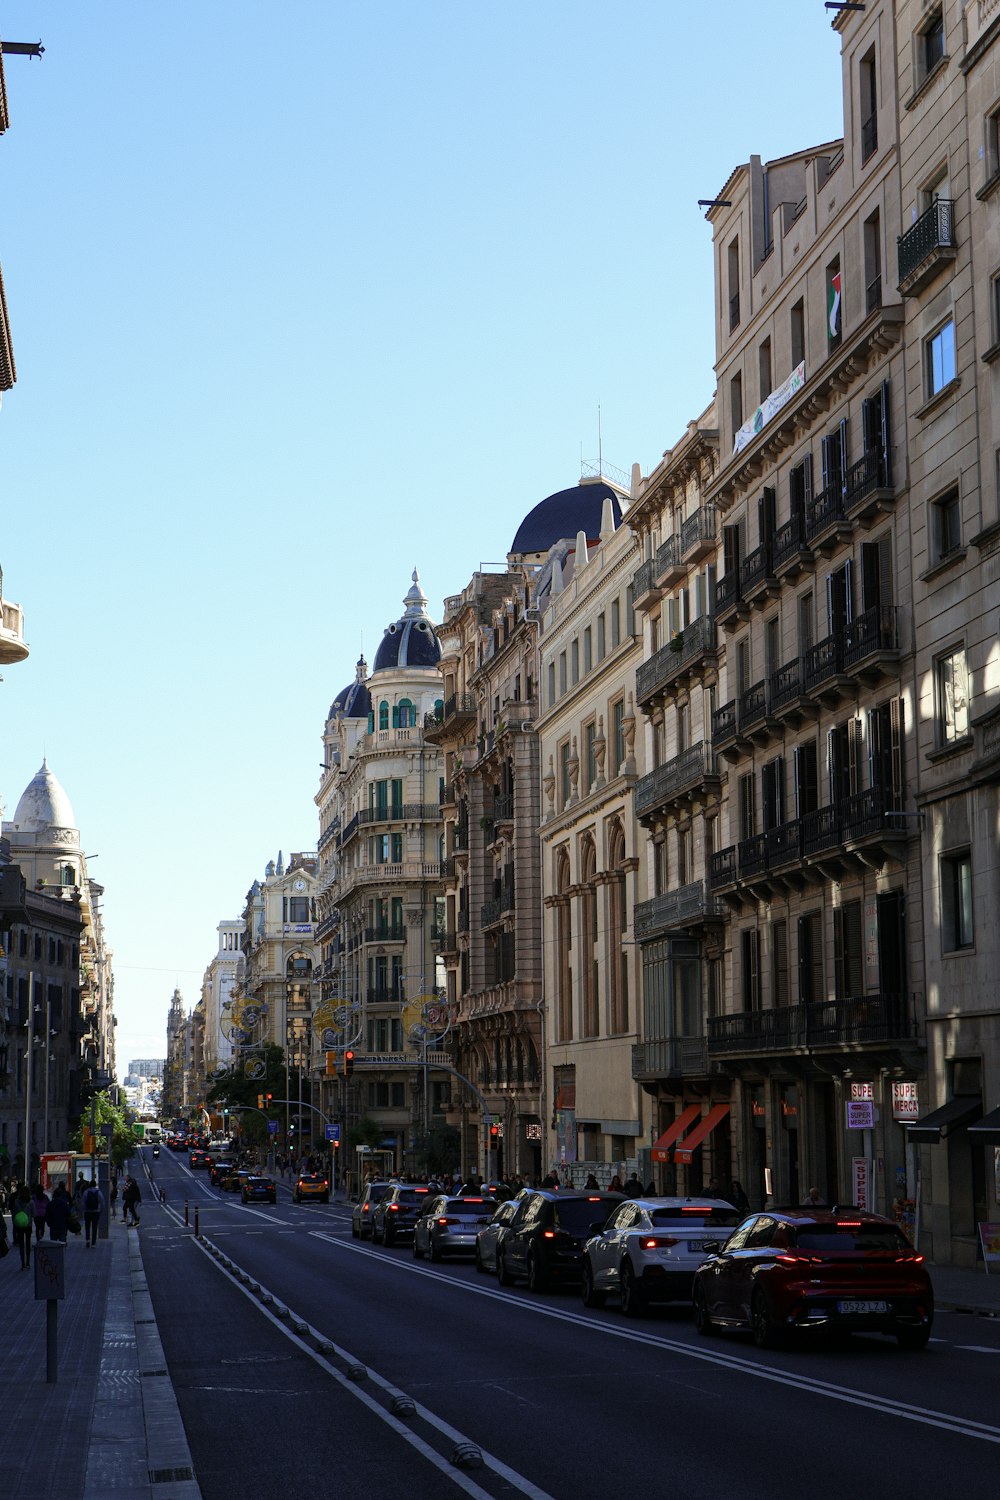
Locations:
column 958, row 1290
column 110, row 1422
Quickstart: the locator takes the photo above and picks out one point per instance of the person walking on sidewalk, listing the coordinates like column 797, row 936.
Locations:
column 21, row 1215
column 39, row 1208
column 93, row 1203
column 131, row 1198
column 57, row 1217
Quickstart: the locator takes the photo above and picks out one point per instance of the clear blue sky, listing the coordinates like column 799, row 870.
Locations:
column 301, row 296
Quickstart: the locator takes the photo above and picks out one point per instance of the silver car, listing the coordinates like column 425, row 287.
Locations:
column 448, row 1226
column 361, row 1218
column 489, row 1238
column 650, row 1248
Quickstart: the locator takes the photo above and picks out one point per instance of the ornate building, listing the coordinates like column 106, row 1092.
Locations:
column 218, row 989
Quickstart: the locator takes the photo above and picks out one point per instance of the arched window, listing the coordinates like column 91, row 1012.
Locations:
column 588, row 931
column 564, row 943
column 383, row 715
column 618, row 926
column 407, row 714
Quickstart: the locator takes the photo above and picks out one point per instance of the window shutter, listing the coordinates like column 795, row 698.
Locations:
column 896, row 749
column 870, row 436
column 807, row 479
column 730, row 549
column 766, row 516
column 826, row 455
column 885, row 589
column 857, row 750
column 844, row 463
column 870, row 598
column 886, row 433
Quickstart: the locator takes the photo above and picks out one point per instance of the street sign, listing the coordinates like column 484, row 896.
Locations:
column 272, row 1127
column 333, row 1132
column 860, row 1114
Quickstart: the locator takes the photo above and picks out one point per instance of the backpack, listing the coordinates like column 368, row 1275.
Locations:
column 91, row 1201
column 21, row 1220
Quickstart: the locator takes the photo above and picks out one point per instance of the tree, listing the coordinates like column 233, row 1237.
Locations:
column 237, row 1091
column 107, row 1113
column 365, row 1133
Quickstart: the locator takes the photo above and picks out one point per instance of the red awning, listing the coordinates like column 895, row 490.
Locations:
column 682, row 1156
column 660, row 1147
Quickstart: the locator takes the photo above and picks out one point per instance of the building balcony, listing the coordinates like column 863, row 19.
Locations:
column 674, row 1057
column 670, row 565
column 495, row 910
column 822, row 671
column 870, row 648
column 758, row 581
column 698, row 535
column 447, row 795
column 755, row 723
column 689, row 776
column 729, row 607
column 350, row 829
column 391, row 874
column 725, row 729
column 683, row 658
column 502, row 810
column 863, row 1020
column 926, row 247
column 12, row 645
column 691, row 905
column 826, row 519
column 460, row 838
column 386, row 932
column 445, row 942
column 869, row 488
column 462, row 920
column 645, row 591
column 401, row 812
column 383, row 994
column 791, row 554
column 458, row 712
column 790, row 703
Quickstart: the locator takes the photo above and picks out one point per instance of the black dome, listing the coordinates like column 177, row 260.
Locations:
column 355, row 702
column 563, row 515
column 411, row 641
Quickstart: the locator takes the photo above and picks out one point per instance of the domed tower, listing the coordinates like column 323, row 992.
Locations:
column 44, row 838
column 563, row 516
column 405, row 682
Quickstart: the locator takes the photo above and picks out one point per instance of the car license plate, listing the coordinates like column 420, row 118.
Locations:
column 857, row 1305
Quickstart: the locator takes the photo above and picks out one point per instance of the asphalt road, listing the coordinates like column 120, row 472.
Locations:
column 536, row 1394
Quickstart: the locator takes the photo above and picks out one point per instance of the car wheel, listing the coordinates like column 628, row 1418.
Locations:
column 702, row 1317
column 503, row 1275
column 418, row 1254
column 326, row 1197
column 633, row 1300
column 355, row 1233
column 433, row 1249
column 479, row 1262
column 913, row 1338
column 766, row 1332
column 536, row 1276
column 388, row 1238
column 591, row 1297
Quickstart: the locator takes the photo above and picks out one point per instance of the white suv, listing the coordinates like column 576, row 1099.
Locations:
column 649, row 1249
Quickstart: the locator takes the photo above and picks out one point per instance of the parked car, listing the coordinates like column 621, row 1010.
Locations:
column 787, row 1270
column 311, row 1185
column 396, row 1213
column 361, row 1218
column 259, row 1190
column 448, row 1226
column 545, row 1239
column 489, row 1238
column 649, row 1250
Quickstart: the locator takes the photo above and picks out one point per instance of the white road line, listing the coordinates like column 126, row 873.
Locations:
column 518, row 1481
column 886, row 1405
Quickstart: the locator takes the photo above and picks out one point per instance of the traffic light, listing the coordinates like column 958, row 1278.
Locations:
column 269, row 1097
column 494, row 1133
column 348, row 1063
column 260, row 1101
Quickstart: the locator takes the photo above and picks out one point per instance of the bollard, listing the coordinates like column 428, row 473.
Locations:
column 185, row 1213
column 196, row 1221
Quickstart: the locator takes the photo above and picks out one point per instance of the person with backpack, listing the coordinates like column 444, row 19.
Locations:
column 39, row 1208
column 58, row 1216
column 93, row 1202
column 21, row 1217
column 131, row 1198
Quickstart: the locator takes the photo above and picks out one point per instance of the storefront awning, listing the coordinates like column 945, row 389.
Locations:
column 987, row 1130
column 682, row 1156
column 661, row 1148
column 935, row 1126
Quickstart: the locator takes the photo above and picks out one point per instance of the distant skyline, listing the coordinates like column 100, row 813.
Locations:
column 300, row 299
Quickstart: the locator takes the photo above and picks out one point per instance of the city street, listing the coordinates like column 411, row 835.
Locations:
column 558, row 1400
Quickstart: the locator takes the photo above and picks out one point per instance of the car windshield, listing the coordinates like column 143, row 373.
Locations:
column 577, row 1214
column 469, row 1208
column 841, row 1238
column 412, row 1195
column 698, row 1218
column 377, row 1191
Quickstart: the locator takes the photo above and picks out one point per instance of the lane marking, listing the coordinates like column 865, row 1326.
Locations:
column 496, row 1465
column 886, row 1405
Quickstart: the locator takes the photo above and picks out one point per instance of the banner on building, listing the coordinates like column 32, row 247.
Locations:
column 770, row 406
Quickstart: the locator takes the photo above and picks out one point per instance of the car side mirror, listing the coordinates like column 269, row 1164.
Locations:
column 597, row 1227
column 712, row 1247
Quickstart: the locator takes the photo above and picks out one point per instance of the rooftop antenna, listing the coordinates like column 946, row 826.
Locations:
column 600, row 444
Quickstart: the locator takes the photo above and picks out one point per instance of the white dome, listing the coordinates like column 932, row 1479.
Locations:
column 43, row 805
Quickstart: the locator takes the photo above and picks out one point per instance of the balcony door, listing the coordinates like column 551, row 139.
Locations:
column 885, row 751
column 840, row 598
column 806, row 779
column 892, row 943
column 876, row 573
column 843, row 745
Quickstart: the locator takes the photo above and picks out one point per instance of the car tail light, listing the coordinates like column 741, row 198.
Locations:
column 365, row 1207
column 663, row 1243
column 393, row 1208
column 791, row 1258
column 448, row 1221
column 548, row 1234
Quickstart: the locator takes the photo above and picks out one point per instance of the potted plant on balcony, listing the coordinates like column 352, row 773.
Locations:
column 677, row 644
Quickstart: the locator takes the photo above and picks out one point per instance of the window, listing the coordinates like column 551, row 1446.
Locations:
column 552, row 683
column 869, row 101
column 590, row 754
column 383, row 715
column 946, row 525
column 588, row 650
column 601, row 647
column 736, row 402
column 835, row 320
column 764, row 368
column 810, row 958
column 779, row 964
column 574, row 661
column 873, row 262
column 798, row 333
column 618, row 735
column 407, row 714
column 956, row 901
column 750, row 943
column 995, row 306
column 733, row 258
column 564, row 781
column 931, row 43
column 616, row 622
column 952, row 698
column 298, row 908
column 562, row 672
column 992, row 145
column 939, row 359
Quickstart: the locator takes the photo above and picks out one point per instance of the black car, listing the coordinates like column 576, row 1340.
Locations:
column 394, row 1218
column 544, row 1242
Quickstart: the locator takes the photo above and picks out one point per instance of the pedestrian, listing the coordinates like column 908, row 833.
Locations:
column 57, row 1217
column 93, row 1203
column 616, row 1185
column 39, row 1208
column 21, row 1219
column 592, row 1182
column 633, row 1187
column 813, row 1199
column 114, row 1195
column 551, row 1180
column 737, row 1196
column 78, row 1192
column 131, row 1198
column 713, row 1190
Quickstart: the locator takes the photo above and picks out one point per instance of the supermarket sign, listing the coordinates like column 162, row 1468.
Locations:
column 905, row 1101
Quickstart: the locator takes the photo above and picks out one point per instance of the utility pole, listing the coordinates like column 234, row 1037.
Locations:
column 28, row 1077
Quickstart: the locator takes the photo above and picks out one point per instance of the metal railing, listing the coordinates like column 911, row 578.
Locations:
column 684, row 771
column 878, row 1017
column 789, row 539
column 689, row 903
column 864, row 477
column 698, row 528
column 825, row 509
column 934, row 230
column 674, row 658
column 642, row 578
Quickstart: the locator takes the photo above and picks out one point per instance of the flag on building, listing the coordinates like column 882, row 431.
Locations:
column 835, row 305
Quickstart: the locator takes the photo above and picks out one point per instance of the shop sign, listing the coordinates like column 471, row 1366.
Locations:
column 862, row 1091
column 905, row 1101
column 532, row 1132
column 860, row 1114
column 861, row 1178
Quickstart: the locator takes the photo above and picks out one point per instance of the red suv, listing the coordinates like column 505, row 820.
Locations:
column 789, row 1269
